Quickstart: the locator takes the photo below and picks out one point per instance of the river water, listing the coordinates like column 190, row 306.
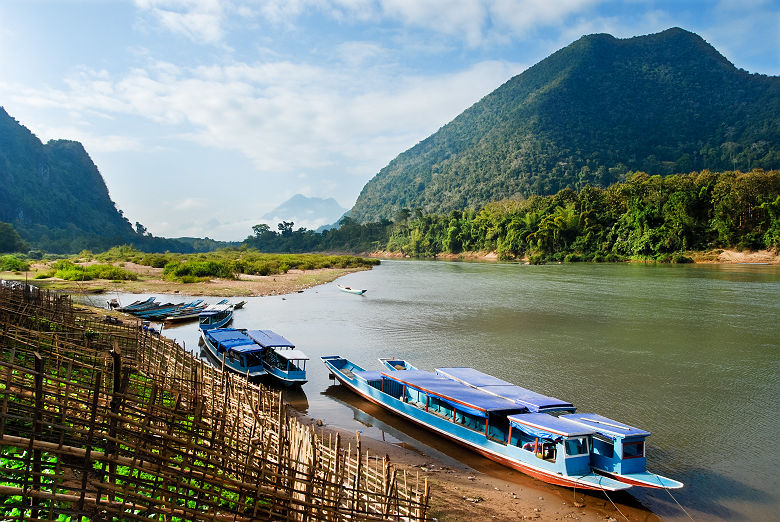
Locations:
column 688, row 352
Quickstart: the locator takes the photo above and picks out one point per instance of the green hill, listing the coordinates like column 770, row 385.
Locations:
column 53, row 194
column 588, row 114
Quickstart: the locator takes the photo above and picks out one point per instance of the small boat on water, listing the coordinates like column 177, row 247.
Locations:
column 215, row 316
column 549, row 448
column 617, row 450
column 349, row 290
column 255, row 353
column 238, row 305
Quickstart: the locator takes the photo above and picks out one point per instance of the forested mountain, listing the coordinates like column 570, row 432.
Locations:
column 587, row 115
column 55, row 198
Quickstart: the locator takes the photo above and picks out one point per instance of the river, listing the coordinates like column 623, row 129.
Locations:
column 688, row 352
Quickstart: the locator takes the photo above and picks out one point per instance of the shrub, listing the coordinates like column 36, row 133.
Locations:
column 13, row 264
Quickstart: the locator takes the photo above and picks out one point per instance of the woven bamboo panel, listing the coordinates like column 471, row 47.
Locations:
column 103, row 420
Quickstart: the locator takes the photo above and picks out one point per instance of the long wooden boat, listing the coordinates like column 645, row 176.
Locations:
column 255, row 353
column 617, row 450
column 549, row 448
column 350, row 290
column 138, row 305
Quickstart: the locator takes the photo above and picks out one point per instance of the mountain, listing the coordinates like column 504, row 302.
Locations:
column 588, row 114
column 54, row 193
column 306, row 212
column 55, row 198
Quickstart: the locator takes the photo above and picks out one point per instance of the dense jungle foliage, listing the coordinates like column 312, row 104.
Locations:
column 647, row 217
column 588, row 115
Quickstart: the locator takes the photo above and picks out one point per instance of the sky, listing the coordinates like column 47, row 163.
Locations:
column 203, row 115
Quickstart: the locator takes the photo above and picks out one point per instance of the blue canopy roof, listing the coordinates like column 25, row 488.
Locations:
column 368, row 375
column 455, row 393
column 230, row 339
column 607, row 427
column 546, row 426
column 535, row 402
column 267, row 338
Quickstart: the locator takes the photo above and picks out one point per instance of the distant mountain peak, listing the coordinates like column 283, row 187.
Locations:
column 307, row 212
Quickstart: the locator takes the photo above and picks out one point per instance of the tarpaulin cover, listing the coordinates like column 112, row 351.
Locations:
column 535, row 402
column 267, row 338
column 292, row 355
column 607, row 427
column 452, row 392
column 546, row 426
column 368, row 375
column 231, row 339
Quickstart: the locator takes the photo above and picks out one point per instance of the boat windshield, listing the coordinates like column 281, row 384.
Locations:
column 578, row 446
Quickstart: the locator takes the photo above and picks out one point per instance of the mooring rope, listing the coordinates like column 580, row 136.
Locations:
column 673, row 498
column 610, row 500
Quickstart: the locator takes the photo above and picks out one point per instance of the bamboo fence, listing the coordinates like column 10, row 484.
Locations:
column 102, row 420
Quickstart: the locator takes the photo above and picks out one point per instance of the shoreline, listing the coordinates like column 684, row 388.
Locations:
column 710, row 257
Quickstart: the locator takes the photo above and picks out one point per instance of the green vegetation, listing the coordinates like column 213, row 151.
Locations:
column 10, row 241
column 70, row 271
column 647, row 217
column 229, row 263
column 587, row 116
column 13, row 264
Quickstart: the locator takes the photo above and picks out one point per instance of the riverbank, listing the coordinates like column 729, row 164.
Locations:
column 707, row 257
column 150, row 281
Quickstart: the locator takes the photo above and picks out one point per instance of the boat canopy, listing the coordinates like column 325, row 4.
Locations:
column 465, row 398
column 368, row 375
column 232, row 340
column 607, row 427
column 292, row 355
column 546, row 426
column 534, row 402
column 269, row 339
column 214, row 309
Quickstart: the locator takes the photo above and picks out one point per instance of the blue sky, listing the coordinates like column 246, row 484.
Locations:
column 203, row 115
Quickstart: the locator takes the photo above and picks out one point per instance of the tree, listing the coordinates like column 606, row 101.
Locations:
column 140, row 229
column 286, row 228
column 10, row 241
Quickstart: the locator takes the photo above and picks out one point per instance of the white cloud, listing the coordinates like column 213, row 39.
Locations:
column 285, row 117
column 199, row 20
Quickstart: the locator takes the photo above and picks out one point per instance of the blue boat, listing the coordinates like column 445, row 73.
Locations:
column 255, row 353
column 236, row 349
column 619, row 451
column 281, row 360
column 551, row 449
column 215, row 316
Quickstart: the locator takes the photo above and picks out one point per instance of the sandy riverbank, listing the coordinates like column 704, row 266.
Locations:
column 150, row 281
